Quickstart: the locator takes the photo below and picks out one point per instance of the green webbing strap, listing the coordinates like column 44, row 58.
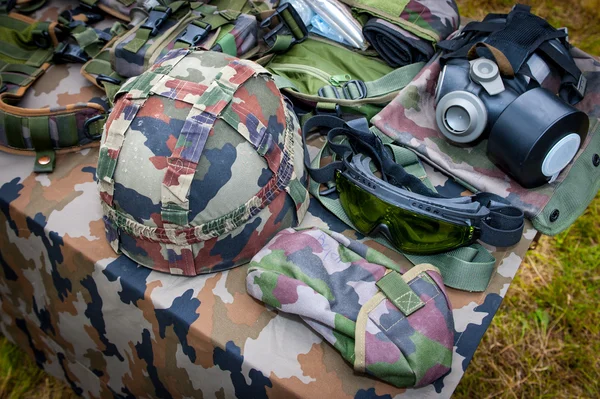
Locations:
column 282, row 43
column 143, row 34
column 88, row 40
column 39, row 132
column 100, row 66
column 14, row 131
column 18, row 80
column 467, row 268
column 283, row 83
column 141, row 37
column 399, row 293
column 29, row 70
column 390, row 83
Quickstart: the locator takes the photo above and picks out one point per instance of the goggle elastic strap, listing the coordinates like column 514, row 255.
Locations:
column 504, row 225
column 360, row 140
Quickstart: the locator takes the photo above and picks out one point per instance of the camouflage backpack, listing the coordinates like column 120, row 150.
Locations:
column 200, row 164
column 390, row 323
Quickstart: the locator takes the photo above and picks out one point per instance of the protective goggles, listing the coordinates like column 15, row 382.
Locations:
column 397, row 205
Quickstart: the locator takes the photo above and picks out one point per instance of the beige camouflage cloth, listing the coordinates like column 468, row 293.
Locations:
column 112, row 328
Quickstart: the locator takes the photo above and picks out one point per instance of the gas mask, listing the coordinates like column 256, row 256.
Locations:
column 532, row 133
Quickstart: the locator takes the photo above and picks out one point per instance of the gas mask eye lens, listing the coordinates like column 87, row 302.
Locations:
column 457, row 119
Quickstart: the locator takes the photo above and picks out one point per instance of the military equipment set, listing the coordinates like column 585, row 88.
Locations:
column 204, row 166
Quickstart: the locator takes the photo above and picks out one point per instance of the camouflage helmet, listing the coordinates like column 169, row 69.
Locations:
column 201, row 164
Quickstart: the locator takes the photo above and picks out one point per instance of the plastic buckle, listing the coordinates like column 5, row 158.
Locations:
column 103, row 35
column 155, row 19
column 69, row 53
column 360, row 86
column 328, row 191
column 7, row 5
column 42, row 39
column 92, row 15
column 88, row 122
column 270, row 37
column 194, row 34
column 105, row 78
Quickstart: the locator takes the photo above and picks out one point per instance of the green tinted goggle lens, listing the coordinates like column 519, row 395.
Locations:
column 409, row 232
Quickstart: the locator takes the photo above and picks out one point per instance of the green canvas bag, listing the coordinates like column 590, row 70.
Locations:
column 330, row 77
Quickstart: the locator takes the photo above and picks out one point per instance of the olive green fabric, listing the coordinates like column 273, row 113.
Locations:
column 19, row 40
column 575, row 193
column 399, row 293
column 311, row 65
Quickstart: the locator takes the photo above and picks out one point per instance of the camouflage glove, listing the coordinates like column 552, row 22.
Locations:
column 393, row 324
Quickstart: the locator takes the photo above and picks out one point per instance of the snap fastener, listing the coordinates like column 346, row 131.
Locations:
column 45, row 160
column 554, row 215
column 596, row 160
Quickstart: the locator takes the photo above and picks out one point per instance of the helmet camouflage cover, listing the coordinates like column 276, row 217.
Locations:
column 201, row 164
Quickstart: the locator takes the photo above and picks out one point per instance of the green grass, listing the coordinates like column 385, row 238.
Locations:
column 545, row 339
column 21, row 378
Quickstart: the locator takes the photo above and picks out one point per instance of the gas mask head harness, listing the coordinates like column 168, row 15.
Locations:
column 490, row 88
column 414, row 218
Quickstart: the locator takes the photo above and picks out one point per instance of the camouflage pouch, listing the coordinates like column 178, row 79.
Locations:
column 329, row 77
column 389, row 323
column 410, row 120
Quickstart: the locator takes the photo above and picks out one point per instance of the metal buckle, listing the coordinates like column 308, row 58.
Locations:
column 105, row 78
column 69, row 53
column 194, row 34
column 155, row 19
column 88, row 122
column 360, row 86
column 270, row 37
column 581, row 85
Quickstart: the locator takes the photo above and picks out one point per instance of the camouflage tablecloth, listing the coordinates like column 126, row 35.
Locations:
column 109, row 327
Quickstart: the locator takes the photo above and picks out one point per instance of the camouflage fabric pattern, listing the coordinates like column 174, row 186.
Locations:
column 432, row 20
column 109, row 327
column 129, row 63
column 330, row 282
column 410, row 120
column 235, row 37
column 200, row 164
column 65, row 122
column 239, row 38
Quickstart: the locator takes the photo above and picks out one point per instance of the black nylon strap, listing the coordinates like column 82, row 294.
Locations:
column 360, row 141
column 520, row 35
column 504, row 225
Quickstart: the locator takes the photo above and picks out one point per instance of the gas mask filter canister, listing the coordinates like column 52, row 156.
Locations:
column 532, row 134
